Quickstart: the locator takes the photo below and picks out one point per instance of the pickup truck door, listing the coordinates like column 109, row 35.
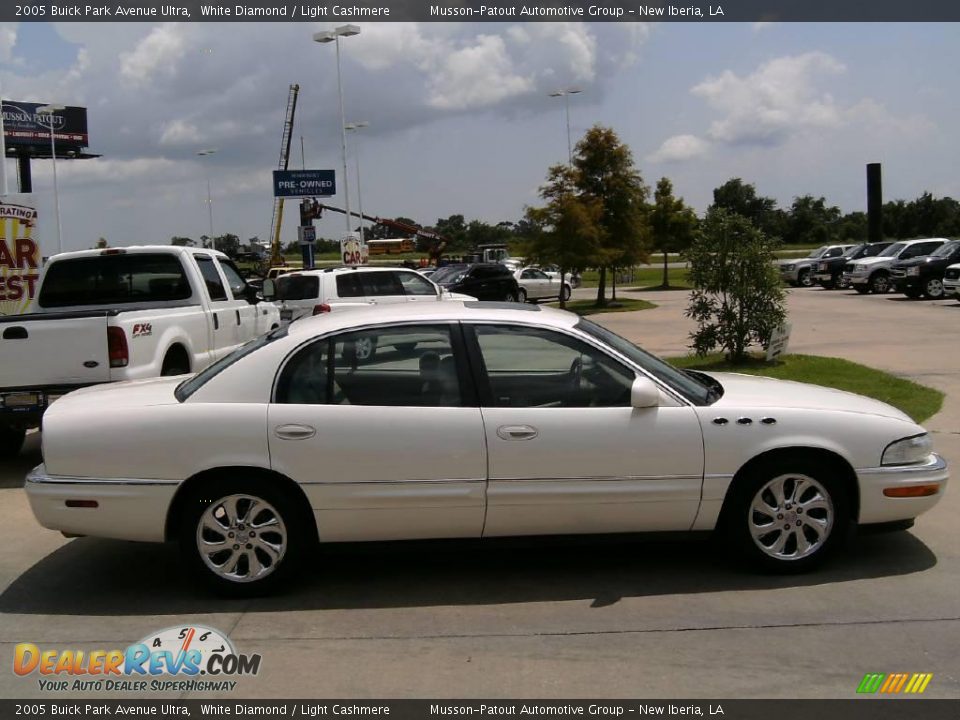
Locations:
column 222, row 323
column 244, row 320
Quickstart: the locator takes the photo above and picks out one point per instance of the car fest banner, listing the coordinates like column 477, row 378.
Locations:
column 20, row 257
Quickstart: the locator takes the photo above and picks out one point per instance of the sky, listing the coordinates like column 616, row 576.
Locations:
column 460, row 118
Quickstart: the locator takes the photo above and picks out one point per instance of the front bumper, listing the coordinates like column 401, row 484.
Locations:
column 789, row 276
column 126, row 509
column 875, row 507
column 951, row 287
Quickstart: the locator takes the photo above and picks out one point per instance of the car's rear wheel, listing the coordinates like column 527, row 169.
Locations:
column 912, row 293
column 366, row 348
column 241, row 537
column 521, row 295
column 788, row 515
column 510, row 296
column 11, row 441
column 861, row 289
column 933, row 288
column 828, row 284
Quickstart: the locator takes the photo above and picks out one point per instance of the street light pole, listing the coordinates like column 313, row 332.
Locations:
column 354, row 127
column 207, row 153
column 49, row 110
column 565, row 94
column 334, row 36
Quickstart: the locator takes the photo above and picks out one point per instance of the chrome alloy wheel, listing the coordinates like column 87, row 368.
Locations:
column 241, row 538
column 791, row 517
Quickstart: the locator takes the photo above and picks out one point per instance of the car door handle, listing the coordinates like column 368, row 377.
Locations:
column 216, row 322
column 238, row 317
column 294, row 432
column 517, row 432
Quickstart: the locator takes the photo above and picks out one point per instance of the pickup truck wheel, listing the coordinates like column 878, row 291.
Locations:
column 828, row 284
column 241, row 537
column 805, row 278
column 11, row 442
column 880, row 283
column 787, row 516
column 933, row 288
column 862, row 289
column 175, row 363
column 912, row 293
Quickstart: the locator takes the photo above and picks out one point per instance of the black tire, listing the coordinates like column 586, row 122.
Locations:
column 521, row 295
column 828, row 284
column 861, row 289
column 933, row 289
column 367, row 351
column 912, row 293
column 805, row 278
column 742, row 526
column 880, row 283
column 210, row 495
column 175, row 363
column 11, row 441
column 511, row 296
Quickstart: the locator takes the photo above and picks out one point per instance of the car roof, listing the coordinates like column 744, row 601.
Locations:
column 344, row 269
column 138, row 249
column 445, row 311
column 920, row 240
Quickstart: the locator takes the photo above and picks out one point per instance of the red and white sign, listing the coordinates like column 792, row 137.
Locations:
column 20, row 256
column 352, row 251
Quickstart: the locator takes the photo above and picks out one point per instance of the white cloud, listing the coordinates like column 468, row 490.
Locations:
column 774, row 102
column 157, row 53
column 180, row 132
column 8, row 41
column 479, row 75
column 679, row 148
column 758, row 26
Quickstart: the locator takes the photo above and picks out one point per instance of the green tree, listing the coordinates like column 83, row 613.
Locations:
column 102, row 243
column 672, row 224
column 229, row 244
column 737, row 196
column 810, row 220
column 606, row 175
column 182, row 241
column 454, row 228
column 567, row 230
column 737, row 299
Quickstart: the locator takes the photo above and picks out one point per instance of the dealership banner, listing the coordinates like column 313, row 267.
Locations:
column 24, row 124
column 484, row 11
column 20, row 257
column 240, row 709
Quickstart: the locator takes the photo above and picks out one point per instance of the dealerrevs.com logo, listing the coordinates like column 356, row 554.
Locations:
column 181, row 658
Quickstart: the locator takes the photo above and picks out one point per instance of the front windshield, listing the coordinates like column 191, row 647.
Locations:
column 945, row 250
column 190, row 386
column 818, row 252
column 893, row 250
column 447, row 273
column 693, row 389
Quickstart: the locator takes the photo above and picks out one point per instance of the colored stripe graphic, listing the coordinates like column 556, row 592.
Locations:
column 912, row 683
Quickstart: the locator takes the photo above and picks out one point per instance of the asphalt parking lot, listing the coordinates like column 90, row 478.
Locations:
column 638, row 618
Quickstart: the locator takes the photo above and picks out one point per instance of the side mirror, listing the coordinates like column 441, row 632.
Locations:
column 269, row 290
column 644, row 393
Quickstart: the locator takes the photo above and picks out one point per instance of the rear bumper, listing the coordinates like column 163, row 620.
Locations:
column 875, row 507
column 126, row 509
column 24, row 407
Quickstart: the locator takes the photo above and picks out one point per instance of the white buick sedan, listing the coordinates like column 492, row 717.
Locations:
column 472, row 420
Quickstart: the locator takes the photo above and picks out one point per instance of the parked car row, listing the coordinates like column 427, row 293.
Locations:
column 925, row 267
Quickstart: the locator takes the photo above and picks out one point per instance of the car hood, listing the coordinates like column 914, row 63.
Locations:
column 131, row 393
column 874, row 260
column 922, row 260
column 752, row 391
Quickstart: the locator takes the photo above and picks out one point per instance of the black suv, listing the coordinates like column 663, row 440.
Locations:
column 829, row 273
column 924, row 275
column 484, row 281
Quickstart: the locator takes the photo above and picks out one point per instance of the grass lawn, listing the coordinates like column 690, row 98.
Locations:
column 918, row 401
column 586, row 307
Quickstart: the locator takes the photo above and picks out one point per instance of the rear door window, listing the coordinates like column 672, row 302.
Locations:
column 348, row 285
column 114, row 279
column 380, row 284
column 211, row 277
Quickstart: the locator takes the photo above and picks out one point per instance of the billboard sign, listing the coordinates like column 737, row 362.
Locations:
column 23, row 125
column 304, row 183
column 19, row 255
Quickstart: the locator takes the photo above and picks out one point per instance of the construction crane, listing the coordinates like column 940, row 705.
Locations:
column 438, row 241
column 276, row 255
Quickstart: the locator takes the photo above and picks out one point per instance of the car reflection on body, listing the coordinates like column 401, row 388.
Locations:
column 505, row 420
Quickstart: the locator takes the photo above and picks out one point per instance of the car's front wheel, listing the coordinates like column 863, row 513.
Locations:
column 880, row 283
column 933, row 288
column 241, row 538
column 787, row 516
column 805, row 278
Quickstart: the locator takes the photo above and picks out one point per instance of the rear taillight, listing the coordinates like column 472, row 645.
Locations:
column 321, row 308
column 117, row 347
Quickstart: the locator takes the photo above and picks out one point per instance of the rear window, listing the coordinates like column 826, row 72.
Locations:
column 114, row 279
column 298, row 287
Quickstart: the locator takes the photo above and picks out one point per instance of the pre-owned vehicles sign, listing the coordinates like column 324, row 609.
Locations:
column 304, row 183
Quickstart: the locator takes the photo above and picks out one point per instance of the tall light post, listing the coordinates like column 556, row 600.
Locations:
column 49, row 111
column 565, row 94
column 334, row 37
column 207, row 153
column 353, row 127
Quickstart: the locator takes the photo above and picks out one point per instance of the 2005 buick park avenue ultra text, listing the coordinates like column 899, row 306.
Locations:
column 472, row 420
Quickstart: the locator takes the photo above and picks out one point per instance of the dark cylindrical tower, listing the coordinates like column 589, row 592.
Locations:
column 874, row 203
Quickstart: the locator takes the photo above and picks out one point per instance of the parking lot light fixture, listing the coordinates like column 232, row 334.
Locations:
column 334, row 37
column 353, row 127
column 49, row 111
column 565, row 94
column 207, row 153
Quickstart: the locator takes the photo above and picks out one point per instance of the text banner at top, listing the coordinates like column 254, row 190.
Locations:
column 459, row 11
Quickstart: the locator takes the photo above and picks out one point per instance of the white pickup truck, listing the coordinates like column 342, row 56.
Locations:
column 121, row 314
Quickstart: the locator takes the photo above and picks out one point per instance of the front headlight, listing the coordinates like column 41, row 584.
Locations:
column 787, row 267
column 913, row 270
column 908, row 451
